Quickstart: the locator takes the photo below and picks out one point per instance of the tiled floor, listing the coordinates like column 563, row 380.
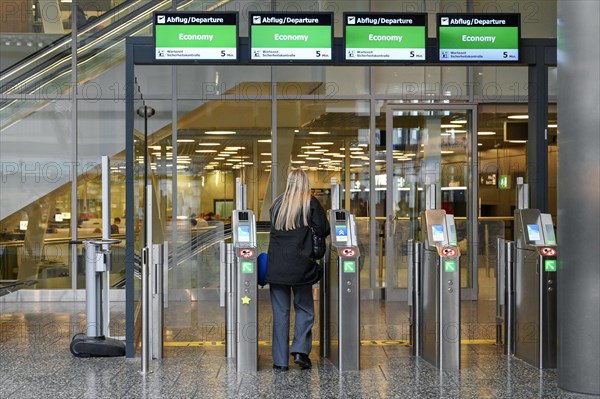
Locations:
column 35, row 362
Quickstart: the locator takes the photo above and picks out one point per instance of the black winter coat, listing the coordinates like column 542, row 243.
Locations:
column 290, row 260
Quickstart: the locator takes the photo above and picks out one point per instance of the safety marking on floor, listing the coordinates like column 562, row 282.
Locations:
column 378, row 342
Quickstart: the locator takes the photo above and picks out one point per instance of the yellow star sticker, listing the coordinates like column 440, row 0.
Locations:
column 245, row 300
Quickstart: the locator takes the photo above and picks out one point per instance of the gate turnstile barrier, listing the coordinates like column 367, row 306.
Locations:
column 435, row 296
column 535, row 282
column 340, row 295
column 245, row 296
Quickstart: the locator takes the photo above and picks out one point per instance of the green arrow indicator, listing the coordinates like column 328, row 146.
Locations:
column 450, row 266
column 550, row 265
column 247, row 267
column 349, row 266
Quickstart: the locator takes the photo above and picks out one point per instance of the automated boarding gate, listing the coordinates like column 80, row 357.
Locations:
column 535, row 308
column 436, row 309
column 243, row 300
column 340, row 295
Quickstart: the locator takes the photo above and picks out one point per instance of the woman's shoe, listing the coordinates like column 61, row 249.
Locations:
column 280, row 368
column 302, row 360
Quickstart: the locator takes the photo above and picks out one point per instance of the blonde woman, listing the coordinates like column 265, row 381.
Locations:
column 291, row 268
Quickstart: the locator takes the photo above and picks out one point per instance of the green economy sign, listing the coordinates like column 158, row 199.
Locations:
column 195, row 36
column 291, row 37
column 385, row 37
column 479, row 37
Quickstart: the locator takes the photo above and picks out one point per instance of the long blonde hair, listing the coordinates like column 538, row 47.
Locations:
column 295, row 202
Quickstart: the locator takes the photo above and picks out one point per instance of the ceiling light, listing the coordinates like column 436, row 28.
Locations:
column 234, row 148
column 552, row 126
column 313, row 158
column 447, row 152
column 324, row 143
column 209, row 144
column 479, row 144
column 517, row 141
column 298, row 161
column 456, row 131
column 205, row 151
column 459, row 122
column 219, row 132
column 264, row 141
column 265, row 154
column 185, row 140
column 445, row 134
column 310, row 147
column 486, row 133
column 447, row 126
column 319, row 133
column 518, row 117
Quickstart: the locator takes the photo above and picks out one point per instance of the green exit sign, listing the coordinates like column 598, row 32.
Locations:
column 503, row 182
column 550, row 265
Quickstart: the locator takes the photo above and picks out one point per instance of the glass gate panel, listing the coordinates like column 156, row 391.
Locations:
column 428, row 145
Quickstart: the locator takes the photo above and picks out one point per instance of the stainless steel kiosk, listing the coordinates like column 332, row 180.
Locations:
column 341, row 294
column 245, row 300
column 535, row 288
column 439, row 307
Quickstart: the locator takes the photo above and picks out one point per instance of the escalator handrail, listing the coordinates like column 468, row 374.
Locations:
column 66, row 39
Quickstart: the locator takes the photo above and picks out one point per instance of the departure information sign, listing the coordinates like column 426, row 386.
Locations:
column 196, row 36
column 291, row 37
column 385, row 36
column 479, row 37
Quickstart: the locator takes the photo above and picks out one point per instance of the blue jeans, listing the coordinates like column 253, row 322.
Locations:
column 303, row 323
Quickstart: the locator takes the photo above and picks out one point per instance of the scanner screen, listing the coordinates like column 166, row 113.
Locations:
column 533, row 231
column 244, row 233
column 437, row 232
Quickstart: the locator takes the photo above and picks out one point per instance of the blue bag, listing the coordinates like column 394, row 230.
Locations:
column 261, row 262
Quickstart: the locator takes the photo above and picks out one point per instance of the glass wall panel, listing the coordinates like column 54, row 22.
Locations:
column 429, row 146
column 500, row 84
column 421, row 83
column 243, row 83
column 35, row 210
column 101, row 131
column 329, row 139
